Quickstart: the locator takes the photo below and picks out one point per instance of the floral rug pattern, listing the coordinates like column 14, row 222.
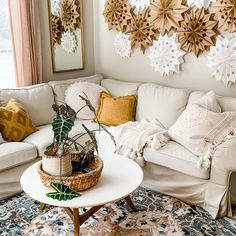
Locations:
column 157, row 215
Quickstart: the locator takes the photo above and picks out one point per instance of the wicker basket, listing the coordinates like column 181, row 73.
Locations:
column 78, row 181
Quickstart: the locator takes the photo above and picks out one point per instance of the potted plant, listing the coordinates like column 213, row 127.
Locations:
column 57, row 159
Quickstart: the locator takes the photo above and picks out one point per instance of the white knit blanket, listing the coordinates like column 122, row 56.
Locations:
column 132, row 137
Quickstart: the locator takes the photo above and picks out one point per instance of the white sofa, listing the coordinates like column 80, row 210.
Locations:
column 171, row 170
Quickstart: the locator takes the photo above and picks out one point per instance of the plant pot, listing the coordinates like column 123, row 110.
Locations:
column 56, row 166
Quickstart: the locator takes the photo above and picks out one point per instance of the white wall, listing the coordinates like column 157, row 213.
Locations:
column 48, row 74
column 194, row 72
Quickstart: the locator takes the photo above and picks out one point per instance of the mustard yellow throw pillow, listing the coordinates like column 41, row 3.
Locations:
column 15, row 123
column 116, row 111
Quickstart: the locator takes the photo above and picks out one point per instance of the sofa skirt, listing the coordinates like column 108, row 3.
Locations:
column 191, row 190
column 10, row 179
column 170, row 182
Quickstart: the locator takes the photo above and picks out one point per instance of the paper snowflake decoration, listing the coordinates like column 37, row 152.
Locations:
column 222, row 59
column 140, row 5
column 122, row 45
column 56, row 7
column 166, row 55
column 69, row 42
column 200, row 3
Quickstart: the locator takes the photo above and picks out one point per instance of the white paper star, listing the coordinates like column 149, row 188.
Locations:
column 56, row 7
column 166, row 55
column 69, row 42
column 200, row 3
column 122, row 45
column 222, row 59
column 140, row 5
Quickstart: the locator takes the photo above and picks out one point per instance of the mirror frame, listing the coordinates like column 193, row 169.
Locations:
column 51, row 40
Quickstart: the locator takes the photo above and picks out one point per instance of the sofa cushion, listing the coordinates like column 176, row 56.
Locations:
column 59, row 87
column 161, row 103
column 120, row 88
column 197, row 127
column 116, row 110
column 44, row 137
column 16, row 153
column 15, row 122
column 92, row 91
column 226, row 103
column 36, row 99
column 176, row 157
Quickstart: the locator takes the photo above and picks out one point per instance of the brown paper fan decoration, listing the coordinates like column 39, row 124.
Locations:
column 57, row 29
column 70, row 14
column 198, row 31
column 165, row 15
column 225, row 13
column 140, row 31
column 117, row 14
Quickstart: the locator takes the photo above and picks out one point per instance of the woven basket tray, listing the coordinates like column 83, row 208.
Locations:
column 78, row 181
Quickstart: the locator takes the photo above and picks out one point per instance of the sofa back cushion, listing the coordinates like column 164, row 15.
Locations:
column 59, row 87
column 37, row 101
column 226, row 103
column 161, row 103
column 120, row 88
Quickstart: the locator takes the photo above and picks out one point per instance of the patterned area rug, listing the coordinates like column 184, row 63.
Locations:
column 158, row 215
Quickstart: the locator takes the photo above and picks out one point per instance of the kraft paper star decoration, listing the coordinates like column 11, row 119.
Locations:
column 222, row 59
column 197, row 31
column 122, row 45
column 140, row 31
column 166, row 55
column 225, row 13
column 70, row 14
column 140, row 5
column 117, row 14
column 57, row 29
column 165, row 15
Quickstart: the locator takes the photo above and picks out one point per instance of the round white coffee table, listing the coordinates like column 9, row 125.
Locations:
column 120, row 177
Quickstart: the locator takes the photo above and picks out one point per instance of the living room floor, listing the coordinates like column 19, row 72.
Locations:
column 157, row 215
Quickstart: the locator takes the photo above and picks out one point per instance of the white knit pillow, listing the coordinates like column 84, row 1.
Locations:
column 1, row 139
column 198, row 126
column 74, row 101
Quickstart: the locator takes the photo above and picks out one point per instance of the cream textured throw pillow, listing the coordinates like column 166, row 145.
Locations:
column 198, row 127
column 74, row 101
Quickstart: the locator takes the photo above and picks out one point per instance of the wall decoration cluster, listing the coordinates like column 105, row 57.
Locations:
column 171, row 28
column 66, row 27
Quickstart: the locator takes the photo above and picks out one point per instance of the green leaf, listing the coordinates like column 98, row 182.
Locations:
column 61, row 126
column 62, row 192
column 92, row 137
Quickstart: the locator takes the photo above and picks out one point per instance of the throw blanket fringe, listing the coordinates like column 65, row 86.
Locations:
column 205, row 161
column 132, row 137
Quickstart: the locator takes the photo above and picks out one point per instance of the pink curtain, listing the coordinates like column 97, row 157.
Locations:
column 26, row 38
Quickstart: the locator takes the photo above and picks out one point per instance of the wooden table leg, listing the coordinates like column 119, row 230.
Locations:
column 42, row 206
column 76, row 221
column 80, row 219
column 130, row 203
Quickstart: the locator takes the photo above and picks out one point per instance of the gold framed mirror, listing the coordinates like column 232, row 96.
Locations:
column 66, row 34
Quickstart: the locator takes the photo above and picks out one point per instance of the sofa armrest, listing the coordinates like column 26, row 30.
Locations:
column 218, row 195
column 223, row 162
